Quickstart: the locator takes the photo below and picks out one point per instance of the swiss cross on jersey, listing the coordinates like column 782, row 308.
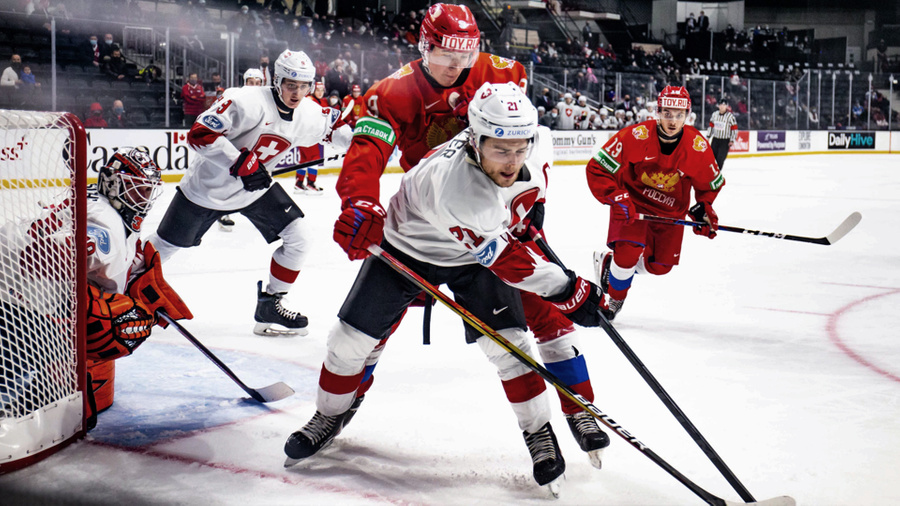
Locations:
column 269, row 146
column 520, row 207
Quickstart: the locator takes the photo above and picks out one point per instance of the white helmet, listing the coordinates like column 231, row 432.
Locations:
column 293, row 65
column 501, row 111
column 567, row 96
column 253, row 74
column 582, row 99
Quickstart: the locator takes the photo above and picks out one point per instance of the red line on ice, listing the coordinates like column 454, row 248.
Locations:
column 835, row 337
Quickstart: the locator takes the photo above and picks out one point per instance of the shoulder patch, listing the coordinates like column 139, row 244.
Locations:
column 402, row 71
column 486, row 256
column 375, row 128
column 700, row 143
column 500, row 62
column 212, row 122
column 640, row 132
column 100, row 237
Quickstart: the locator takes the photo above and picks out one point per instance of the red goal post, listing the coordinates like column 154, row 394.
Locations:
column 43, row 198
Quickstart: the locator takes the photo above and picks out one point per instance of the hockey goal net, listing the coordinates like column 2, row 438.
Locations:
column 42, row 284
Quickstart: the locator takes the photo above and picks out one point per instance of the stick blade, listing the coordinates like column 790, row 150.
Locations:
column 844, row 228
column 272, row 393
column 775, row 501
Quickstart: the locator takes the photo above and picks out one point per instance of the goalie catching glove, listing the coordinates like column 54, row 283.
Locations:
column 360, row 225
column 151, row 289
column 580, row 301
column 116, row 324
column 703, row 211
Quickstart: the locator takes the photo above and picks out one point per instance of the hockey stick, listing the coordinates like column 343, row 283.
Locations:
column 835, row 236
column 304, row 165
column 271, row 393
column 560, row 385
column 658, row 388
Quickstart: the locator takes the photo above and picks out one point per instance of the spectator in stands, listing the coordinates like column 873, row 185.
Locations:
column 107, row 47
column 28, row 79
column 336, row 79
column 703, row 22
column 89, row 52
column 264, row 68
column 193, row 100
column 242, row 21
column 690, row 24
column 550, row 119
column 117, row 117
column 114, row 66
column 626, row 104
column 213, row 89
column 334, row 99
column 544, row 99
column 95, row 117
column 10, row 76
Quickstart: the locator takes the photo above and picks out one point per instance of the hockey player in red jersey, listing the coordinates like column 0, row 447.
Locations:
column 419, row 107
column 311, row 174
column 650, row 168
column 354, row 106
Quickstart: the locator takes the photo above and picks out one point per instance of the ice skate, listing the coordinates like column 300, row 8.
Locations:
column 312, row 188
column 315, row 436
column 548, row 461
column 611, row 307
column 226, row 223
column 352, row 411
column 589, row 436
column 299, row 187
column 602, row 263
column 273, row 319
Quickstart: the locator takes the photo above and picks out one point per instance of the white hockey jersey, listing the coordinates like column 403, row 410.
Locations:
column 248, row 118
column 568, row 113
column 450, row 213
column 111, row 250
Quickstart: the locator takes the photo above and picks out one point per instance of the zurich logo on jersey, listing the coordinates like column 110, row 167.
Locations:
column 486, row 256
column 498, row 132
column 212, row 122
column 100, row 237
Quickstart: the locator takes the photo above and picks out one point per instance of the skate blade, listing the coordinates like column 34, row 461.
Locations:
column 598, row 266
column 313, row 192
column 271, row 330
column 555, row 487
column 596, row 458
column 289, row 462
column 225, row 228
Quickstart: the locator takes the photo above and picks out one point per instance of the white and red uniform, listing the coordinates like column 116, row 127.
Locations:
column 111, row 247
column 568, row 114
column 410, row 111
column 248, row 118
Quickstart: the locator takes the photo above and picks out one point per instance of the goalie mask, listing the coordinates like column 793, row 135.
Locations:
column 294, row 65
column 501, row 111
column 449, row 36
column 131, row 181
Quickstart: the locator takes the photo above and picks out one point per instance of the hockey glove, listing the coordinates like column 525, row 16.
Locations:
column 151, row 289
column 460, row 105
column 360, row 225
column 116, row 324
column 703, row 211
column 580, row 301
column 531, row 224
column 251, row 171
column 622, row 208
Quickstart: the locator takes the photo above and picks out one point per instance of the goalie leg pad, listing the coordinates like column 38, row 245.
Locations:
column 116, row 325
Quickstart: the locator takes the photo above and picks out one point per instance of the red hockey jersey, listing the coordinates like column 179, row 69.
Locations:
column 658, row 184
column 353, row 109
column 409, row 110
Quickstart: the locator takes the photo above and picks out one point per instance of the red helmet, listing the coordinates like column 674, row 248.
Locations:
column 450, row 27
column 674, row 97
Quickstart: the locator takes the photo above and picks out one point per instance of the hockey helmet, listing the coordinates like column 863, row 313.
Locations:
column 674, row 97
column 132, row 182
column 293, row 65
column 568, row 98
column 501, row 111
column 453, row 29
column 253, row 74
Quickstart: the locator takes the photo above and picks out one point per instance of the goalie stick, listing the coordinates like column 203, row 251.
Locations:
column 843, row 229
column 657, row 388
column 304, row 165
column 271, row 393
column 560, row 385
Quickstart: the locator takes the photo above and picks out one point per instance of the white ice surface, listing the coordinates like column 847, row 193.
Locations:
column 784, row 355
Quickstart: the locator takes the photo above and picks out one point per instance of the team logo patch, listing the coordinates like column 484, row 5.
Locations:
column 700, row 144
column 640, row 132
column 717, row 182
column 660, row 181
column 403, row 71
column 498, row 132
column 212, row 122
column 486, row 256
column 501, row 63
column 100, row 237
column 270, row 146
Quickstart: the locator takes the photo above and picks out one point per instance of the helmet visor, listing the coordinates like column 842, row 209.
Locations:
column 450, row 58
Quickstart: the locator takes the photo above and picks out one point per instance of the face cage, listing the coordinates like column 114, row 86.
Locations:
column 134, row 192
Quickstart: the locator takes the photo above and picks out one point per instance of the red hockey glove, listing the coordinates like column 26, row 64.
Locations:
column 580, row 301
column 360, row 224
column 116, row 324
column 703, row 211
column 622, row 208
column 151, row 289
column 460, row 105
column 251, row 171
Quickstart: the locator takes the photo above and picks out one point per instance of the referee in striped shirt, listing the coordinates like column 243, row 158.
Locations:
column 723, row 131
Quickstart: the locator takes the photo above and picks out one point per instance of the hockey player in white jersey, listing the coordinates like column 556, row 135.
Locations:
column 454, row 221
column 241, row 135
column 568, row 112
